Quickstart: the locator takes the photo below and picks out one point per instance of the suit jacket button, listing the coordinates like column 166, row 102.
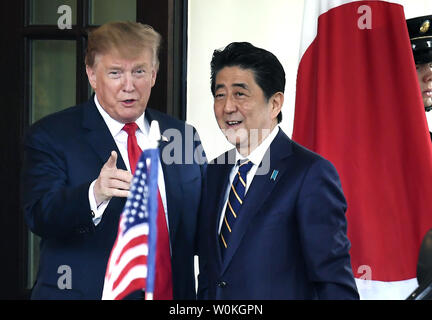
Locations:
column 222, row 284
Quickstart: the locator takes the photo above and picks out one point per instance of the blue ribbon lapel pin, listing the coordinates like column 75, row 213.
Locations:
column 274, row 175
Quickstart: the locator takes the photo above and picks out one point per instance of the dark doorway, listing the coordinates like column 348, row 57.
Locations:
column 44, row 71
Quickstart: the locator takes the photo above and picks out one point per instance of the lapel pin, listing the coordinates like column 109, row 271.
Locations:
column 274, row 175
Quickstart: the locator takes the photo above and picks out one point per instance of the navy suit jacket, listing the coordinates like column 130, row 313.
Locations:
column 289, row 241
column 64, row 153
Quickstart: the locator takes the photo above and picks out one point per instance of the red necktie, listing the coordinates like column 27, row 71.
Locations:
column 163, row 279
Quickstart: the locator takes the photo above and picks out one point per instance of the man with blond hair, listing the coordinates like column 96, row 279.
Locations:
column 78, row 167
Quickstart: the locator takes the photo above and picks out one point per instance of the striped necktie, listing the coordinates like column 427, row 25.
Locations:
column 235, row 201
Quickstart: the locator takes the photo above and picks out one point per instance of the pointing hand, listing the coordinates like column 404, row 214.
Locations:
column 112, row 182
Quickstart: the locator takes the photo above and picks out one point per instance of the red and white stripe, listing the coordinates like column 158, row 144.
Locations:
column 127, row 265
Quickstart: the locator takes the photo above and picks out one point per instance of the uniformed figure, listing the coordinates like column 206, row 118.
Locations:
column 420, row 32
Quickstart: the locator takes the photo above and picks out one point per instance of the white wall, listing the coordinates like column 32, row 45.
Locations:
column 213, row 25
column 274, row 25
column 416, row 8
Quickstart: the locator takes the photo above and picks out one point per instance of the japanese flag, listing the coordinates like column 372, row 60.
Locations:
column 358, row 104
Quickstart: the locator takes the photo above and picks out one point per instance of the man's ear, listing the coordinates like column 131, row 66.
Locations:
column 91, row 75
column 277, row 101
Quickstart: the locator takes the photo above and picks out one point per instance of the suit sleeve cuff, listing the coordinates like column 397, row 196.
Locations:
column 96, row 211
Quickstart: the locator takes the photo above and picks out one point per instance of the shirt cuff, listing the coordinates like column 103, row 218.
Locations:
column 97, row 211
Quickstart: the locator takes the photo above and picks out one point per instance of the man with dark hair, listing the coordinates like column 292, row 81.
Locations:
column 79, row 164
column 273, row 220
column 270, row 76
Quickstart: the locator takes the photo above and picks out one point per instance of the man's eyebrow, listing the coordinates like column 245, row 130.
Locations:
column 218, row 86
column 114, row 66
column 240, row 85
column 140, row 65
column 120, row 67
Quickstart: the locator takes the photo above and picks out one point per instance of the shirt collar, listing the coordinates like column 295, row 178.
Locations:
column 114, row 126
column 257, row 155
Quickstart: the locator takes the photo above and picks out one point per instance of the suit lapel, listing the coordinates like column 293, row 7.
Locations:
column 98, row 135
column 259, row 192
column 101, row 141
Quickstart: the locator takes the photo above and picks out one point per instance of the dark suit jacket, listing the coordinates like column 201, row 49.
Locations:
column 64, row 153
column 289, row 241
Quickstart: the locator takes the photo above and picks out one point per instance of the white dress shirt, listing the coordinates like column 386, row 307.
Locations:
column 120, row 137
column 256, row 156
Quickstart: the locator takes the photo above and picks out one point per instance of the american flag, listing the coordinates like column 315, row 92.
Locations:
column 131, row 265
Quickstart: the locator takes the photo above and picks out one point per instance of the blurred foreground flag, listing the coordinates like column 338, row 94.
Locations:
column 358, row 104
column 131, row 265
